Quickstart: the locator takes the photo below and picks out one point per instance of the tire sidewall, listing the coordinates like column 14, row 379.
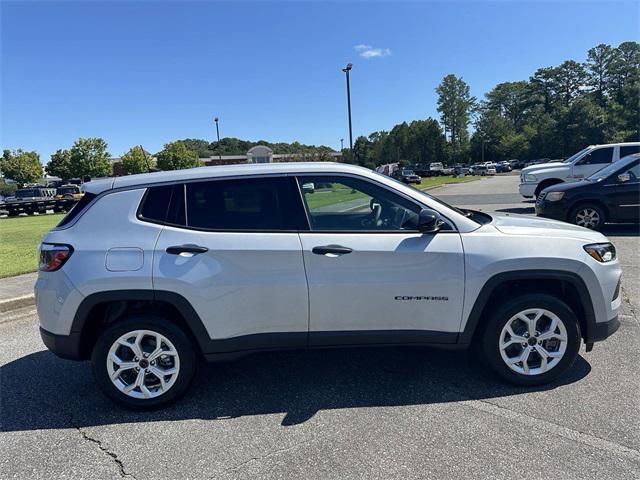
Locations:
column 491, row 336
column 184, row 347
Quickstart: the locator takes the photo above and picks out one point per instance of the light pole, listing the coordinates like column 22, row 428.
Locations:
column 218, row 134
column 341, row 144
column 346, row 70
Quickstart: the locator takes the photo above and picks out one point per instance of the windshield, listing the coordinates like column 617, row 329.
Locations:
column 27, row 193
column 64, row 190
column 612, row 168
column 576, row 155
column 408, row 172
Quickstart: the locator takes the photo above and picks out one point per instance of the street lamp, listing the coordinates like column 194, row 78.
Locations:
column 341, row 144
column 346, row 70
column 218, row 134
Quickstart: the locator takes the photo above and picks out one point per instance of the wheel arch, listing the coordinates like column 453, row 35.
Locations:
column 567, row 286
column 547, row 182
column 100, row 309
column 588, row 201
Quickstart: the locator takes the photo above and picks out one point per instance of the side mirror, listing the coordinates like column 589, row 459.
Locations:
column 308, row 187
column 429, row 221
column 624, row 177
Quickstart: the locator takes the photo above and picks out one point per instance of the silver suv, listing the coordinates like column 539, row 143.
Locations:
column 149, row 273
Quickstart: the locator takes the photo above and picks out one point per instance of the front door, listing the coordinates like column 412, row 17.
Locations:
column 623, row 197
column 373, row 278
column 592, row 162
column 234, row 254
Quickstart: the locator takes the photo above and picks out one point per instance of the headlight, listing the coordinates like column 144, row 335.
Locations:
column 602, row 252
column 530, row 178
column 554, row 196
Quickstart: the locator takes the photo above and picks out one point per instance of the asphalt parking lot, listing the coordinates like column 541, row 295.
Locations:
column 368, row 413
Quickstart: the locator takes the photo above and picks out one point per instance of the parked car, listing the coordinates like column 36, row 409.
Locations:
column 484, row 170
column 68, row 192
column 586, row 162
column 447, row 171
column 436, row 168
column 422, row 169
column 460, row 169
column 406, row 176
column 516, row 164
column 149, row 273
column 503, row 167
column 609, row 195
column 30, row 199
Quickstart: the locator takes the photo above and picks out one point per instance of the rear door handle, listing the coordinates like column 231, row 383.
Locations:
column 194, row 249
column 334, row 249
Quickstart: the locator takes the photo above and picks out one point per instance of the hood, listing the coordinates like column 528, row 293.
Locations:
column 563, row 187
column 547, row 169
column 523, row 225
column 540, row 166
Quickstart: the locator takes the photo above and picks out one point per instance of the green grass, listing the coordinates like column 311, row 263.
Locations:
column 19, row 239
column 431, row 182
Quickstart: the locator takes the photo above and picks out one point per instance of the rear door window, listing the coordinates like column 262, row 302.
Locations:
column 250, row 204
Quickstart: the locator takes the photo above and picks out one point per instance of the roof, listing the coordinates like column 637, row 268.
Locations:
column 100, row 185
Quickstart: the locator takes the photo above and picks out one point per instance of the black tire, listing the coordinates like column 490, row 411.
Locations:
column 184, row 347
column 488, row 340
column 588, row 207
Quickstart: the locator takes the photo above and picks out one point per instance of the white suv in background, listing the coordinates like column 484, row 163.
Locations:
column 581, row 165
column 149, row 273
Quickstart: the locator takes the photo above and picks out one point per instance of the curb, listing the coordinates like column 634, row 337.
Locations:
column 17, row 302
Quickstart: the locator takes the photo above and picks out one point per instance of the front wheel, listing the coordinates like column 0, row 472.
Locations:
column 588, row 216
column 531, row 340
column 144, row 362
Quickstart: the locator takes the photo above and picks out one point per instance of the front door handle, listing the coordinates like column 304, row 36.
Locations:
column 194, row 249
column 333, row 249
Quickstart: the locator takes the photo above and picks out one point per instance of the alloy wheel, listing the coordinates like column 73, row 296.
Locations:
column 143, row 364
column 588, row 217
column 533, row 341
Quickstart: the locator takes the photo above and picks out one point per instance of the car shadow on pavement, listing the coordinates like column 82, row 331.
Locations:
column 518, row 210
column 41, row 391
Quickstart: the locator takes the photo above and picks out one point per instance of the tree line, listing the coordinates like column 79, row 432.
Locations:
column 556, row 112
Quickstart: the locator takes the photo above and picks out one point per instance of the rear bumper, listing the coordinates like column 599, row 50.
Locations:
column 64, row 346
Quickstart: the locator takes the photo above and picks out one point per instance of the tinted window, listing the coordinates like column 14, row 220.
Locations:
column 247, row 204
column 634, row 172
column 155, row 203
column 349, row 204
column 602, row 155
column 78, row 208
column 628, row 150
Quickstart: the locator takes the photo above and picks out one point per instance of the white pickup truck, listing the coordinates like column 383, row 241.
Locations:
column 586, row 162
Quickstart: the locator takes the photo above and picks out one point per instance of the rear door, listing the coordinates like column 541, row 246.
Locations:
column 231, row 249
column 373, row 278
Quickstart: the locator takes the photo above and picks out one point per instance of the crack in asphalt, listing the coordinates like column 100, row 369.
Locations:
column 85, row 436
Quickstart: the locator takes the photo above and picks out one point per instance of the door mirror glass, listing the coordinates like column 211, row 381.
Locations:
column 308, row 187
column 429, row 221
column 624, row 177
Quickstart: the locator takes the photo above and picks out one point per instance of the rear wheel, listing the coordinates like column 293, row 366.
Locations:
column 143, row 362
column 588, row 216
column 531, row 340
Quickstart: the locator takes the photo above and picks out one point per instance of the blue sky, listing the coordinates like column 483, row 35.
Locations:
column 150, row 72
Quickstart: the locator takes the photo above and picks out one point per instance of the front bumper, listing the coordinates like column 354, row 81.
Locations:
column 603, row 330
column 64, row 346
column 527, row 190
column 554, row 210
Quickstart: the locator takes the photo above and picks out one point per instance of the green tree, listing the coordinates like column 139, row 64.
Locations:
column 455, row 105
column 20, row 166
column 598, row 65
column 176, row 156
column 135, row 161
column 60, row 165
column 569, row 78
column 89, row 157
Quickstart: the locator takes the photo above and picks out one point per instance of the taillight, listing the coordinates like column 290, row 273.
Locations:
column 53, row 256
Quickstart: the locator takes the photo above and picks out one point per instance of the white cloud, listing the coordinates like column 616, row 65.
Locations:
column 367, row 51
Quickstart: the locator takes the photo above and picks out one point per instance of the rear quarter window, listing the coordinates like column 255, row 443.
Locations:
column 155, row 204
column 78, row 208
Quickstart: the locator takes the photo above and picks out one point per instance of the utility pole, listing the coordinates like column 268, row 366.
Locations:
column 346, row 70
column 218, row 135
